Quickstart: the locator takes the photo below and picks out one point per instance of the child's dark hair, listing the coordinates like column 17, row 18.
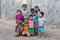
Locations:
column 42, row 13
column 25, row 18
column 37, row 7
column 22, row 20
column 24, row 5
column 19, row 11
column 32, row 9
column 30, row 15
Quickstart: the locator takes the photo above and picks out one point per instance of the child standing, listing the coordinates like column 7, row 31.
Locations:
column 31, row 25
column 19, row 28
column 25, row 29
column 42, row 22
column 19, row 15
column 37, row 10
column 25, row 11
column 31, row 11
column 35, row 18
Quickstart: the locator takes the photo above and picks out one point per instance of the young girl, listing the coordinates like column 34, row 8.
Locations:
column 25, row 29
column 31, row 25
column 19, row 15
column 37, row 10
column 42, row 22
column 20, row 28
column 35, row 18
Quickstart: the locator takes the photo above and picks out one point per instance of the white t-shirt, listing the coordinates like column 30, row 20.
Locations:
column 41, row 21
column 25, row 13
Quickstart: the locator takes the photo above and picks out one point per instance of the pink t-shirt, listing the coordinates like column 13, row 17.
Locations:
column 31, row 24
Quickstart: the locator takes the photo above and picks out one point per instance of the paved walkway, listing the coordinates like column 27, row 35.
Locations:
column 7, row 32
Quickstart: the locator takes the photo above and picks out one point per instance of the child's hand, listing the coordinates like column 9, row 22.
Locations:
column 18, row 29
column 21, row 28
column 17, row 24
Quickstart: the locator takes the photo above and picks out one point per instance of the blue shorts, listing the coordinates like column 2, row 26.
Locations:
column 41, row 29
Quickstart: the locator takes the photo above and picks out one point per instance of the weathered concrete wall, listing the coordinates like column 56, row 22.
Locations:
column 51, row 9
column 9, row 8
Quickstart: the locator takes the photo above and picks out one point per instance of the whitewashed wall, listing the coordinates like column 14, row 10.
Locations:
column 51, row 8
column 9, row 7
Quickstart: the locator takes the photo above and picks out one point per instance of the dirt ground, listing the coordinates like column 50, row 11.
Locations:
column 7, row 32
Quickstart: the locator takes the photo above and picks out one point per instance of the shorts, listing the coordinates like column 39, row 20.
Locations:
column 41, row 29
column 31, row 31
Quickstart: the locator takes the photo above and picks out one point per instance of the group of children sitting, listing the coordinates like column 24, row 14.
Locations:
column 29, row 23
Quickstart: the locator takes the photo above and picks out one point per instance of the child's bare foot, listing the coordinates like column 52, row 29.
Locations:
column 29, row 36
column 16, row 36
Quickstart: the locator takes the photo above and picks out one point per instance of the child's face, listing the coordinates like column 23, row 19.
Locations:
column 41, row 15
column 20, row 21
column 34, row 13
column 36, row 9
column 31, row 17
column 24, row 7
column 18, row 12
column 26, row 19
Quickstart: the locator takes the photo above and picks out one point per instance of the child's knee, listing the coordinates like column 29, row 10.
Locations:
column 23, row 33
column 28, row 34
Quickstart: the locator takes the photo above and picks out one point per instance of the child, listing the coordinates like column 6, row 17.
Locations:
column 37, row 10
column 19, row 28
column 19, row 15
column 42, row 21
column 25, row 11
column 35, row 18
column 25, row 30
column 32, row 11
column 31, row 25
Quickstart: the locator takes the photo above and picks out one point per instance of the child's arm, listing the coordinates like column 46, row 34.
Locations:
column 44, row 21
column 22, row 16
column 16, row 19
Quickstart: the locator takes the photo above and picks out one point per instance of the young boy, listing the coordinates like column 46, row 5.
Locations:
column 32, row 11
column 25, row 11
column 42, row 22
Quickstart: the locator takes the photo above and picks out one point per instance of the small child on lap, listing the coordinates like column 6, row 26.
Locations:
column 19, row 28
column 25, row 29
